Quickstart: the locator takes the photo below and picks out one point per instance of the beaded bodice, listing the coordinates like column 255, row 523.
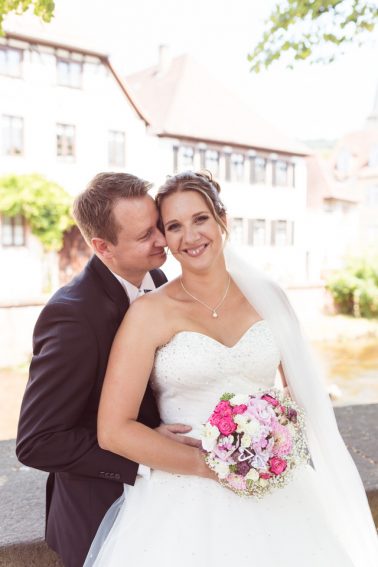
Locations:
column 193, row 370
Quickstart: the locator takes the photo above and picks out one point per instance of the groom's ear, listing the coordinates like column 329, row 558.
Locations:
column 102, row 248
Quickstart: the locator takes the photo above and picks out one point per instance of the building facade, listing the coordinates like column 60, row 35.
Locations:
column 66, row 115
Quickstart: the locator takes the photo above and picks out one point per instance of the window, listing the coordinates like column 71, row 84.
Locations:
column 258, row 170
column 373, row 156
column 237, row 167
column 371, row 195
column 257, row 232
column 237, row 230
column 12, row 231
column 12, row 135
column 280, row 172
column 372, row 233
column 116, row 148
column 65, row 141
column 69, row 73
column 10, row 61
column 185, row 158
column 279, row 233
column 344, row 161
column 212, row 162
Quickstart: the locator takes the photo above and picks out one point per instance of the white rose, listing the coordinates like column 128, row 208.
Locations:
column 209, row 436
column 221, row 468
column 239, row 399
column 252, row 475
column 263, row 482
column 252, row 428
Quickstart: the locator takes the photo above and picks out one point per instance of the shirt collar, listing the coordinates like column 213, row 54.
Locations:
column 132, row 291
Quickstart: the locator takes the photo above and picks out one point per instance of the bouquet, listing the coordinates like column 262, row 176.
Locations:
column 253, row 442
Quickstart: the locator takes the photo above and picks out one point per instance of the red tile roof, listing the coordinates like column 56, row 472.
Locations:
column 186, row 102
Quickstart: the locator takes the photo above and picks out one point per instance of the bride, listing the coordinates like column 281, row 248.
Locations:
column 219, row 327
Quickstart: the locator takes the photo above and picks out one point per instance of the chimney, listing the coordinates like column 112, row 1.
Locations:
column 164, row 59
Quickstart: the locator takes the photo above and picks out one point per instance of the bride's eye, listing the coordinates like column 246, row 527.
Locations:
column 173, row 226
column 202, row 218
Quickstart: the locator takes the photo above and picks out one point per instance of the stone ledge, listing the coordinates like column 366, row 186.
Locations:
column 31, row 554
column 22, row 490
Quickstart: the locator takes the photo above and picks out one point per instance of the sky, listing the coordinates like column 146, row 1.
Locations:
column 309, row 102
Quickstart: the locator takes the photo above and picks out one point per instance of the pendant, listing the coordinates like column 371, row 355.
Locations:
column 215, row 315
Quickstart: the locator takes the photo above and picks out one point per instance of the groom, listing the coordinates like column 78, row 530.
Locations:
column 71, row 344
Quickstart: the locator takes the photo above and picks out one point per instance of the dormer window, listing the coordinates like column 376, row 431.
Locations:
column 373, row 156
column 69, row 73
column 344, row 161
column 10, row 61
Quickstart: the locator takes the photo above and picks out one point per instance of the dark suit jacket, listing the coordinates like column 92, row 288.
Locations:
column 57, row 428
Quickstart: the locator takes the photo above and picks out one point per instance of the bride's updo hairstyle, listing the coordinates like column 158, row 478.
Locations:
column 203, row 183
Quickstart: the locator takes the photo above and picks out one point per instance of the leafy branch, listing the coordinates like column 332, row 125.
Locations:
column 312, row 29
column 41, row 8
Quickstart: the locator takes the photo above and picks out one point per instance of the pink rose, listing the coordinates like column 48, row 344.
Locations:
column 226, row 426
column 270, row 400
column 265, row 475
column 277, row 465
column 223, row 408
column 215, row 418
column 239, row 409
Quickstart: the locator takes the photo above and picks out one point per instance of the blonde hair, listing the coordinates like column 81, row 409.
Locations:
column 203, row 183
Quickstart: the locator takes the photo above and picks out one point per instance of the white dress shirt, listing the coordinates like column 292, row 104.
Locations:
column 133, row 293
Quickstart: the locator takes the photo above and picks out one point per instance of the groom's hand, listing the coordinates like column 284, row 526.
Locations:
column 175, row 431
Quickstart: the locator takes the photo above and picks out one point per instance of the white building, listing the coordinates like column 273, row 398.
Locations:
column 261, row 170
column 66, row 114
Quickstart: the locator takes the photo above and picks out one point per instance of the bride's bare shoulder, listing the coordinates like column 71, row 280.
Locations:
column 154, row 313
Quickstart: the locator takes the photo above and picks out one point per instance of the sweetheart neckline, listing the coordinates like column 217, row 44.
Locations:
column 255, row 324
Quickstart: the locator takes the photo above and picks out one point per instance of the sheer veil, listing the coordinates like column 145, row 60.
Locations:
column 341, row 486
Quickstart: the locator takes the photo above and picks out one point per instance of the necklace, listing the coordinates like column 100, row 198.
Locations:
column 212, row 309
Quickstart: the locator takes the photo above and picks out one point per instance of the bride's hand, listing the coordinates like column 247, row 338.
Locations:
column 176, row 432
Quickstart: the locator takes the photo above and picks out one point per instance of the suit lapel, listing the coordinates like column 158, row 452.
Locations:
column 110, row 284
column 159, row 277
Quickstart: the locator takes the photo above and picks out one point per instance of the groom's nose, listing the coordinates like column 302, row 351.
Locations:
column 160, row 239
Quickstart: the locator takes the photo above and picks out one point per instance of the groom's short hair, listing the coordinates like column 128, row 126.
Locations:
column 93, row 208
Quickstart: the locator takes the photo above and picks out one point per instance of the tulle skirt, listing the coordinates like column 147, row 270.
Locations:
column 181, row 521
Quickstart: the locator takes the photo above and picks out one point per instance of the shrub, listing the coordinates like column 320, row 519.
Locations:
column 355, row 289
column 44, row 204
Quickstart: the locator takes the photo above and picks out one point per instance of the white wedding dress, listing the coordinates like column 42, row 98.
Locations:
column 184, row 521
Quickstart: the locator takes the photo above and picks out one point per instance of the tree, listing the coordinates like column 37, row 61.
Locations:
column 44, row 204
column 42, row 8
column 315, row 30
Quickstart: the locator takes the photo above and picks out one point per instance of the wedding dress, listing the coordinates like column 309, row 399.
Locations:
column 181, row 521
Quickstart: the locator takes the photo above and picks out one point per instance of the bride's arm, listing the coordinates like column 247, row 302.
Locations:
column 131, row 359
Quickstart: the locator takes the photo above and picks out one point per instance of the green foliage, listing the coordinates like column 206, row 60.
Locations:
column 355, row 289
column 44, row 204
column 226, row 396
column 42, row 8
column 315, row 30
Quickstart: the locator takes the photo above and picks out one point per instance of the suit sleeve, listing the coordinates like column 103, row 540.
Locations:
column 63, row 373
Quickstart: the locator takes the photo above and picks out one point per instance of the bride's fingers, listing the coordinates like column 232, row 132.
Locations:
column 174, row 428
column 191, row 441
